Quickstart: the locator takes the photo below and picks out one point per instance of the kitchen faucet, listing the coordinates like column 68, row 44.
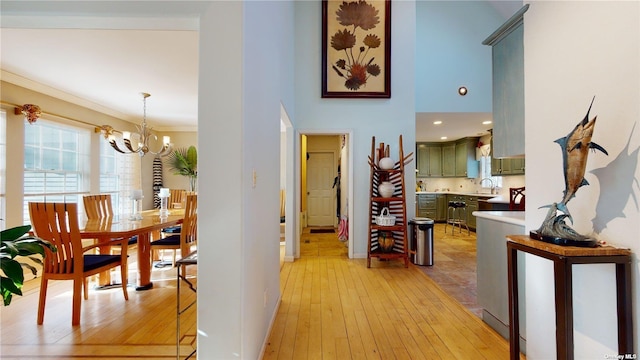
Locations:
column 493, row 188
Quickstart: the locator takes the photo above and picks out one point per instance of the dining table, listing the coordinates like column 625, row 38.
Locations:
column 146, row 229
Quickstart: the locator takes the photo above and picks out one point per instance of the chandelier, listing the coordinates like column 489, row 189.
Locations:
column 143, row 135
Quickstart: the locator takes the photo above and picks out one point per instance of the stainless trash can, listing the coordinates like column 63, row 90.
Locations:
column 421, row 244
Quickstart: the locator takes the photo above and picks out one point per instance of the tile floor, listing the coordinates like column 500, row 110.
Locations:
column 454, row 267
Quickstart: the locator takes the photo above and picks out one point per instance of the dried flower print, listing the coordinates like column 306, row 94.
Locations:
column 356, row 66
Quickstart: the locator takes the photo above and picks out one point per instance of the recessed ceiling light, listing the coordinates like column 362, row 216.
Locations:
column 462, row 90
column 437, row 122
column 443, row 138
column 487, row 122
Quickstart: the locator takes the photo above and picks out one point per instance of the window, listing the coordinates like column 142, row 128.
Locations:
column 119, row 174
column 485, row 173
column 56, row 163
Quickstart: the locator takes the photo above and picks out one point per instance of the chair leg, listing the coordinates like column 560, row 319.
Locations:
column 85, row 287
column 43, row 299
column 123, row 279
column 77, row 301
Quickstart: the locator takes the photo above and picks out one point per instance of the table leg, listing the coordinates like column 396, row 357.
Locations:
column 564, row 308
column 104, row 278
column 144, row 262
column 514, row 315
column 625, row 322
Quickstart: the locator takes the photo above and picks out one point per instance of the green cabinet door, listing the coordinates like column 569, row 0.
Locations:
column 435, row 161
column 428, row 159
column 441, row 207
column 472, row 205
column 449, row 160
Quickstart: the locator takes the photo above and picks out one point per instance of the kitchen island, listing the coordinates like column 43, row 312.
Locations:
column 434, row 205
column 492, row 285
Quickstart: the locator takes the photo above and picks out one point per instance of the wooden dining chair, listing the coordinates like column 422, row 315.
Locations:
column 514, row 204
column 188, row 236
column 99, row 207
column 176, row 198
column 58, row 224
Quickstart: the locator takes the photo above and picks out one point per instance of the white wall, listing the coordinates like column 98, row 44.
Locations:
column 244, row 76
column 574, row 51
column 384, row 118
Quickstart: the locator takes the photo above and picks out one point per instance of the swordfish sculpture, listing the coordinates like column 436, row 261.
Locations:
column 575, row 150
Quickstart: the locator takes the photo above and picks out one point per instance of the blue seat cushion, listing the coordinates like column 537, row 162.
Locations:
column 133, row 240
column 172, row 229
column 92, row 262
column 169, row 240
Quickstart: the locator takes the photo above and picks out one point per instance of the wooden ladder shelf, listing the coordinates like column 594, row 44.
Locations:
column 396, row 205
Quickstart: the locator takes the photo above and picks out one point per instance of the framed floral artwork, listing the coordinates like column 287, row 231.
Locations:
column 356, row 48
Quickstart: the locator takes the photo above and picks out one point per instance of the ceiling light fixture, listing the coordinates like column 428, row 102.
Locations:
column 462, row 90
column 143, row 135
column 437, row 122
column 443, row 138
column 487, row 122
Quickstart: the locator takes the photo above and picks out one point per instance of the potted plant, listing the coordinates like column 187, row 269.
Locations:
column 184, row 161
column 15, row 242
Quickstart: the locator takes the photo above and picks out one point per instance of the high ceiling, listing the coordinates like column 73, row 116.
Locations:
column 84, row 55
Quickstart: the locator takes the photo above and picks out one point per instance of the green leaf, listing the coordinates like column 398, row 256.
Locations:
column 9, row 285
column 29, row 248
column 33, row 269
column 13, row 270
column 6, row 296
column 192, row 158
column 14, row 233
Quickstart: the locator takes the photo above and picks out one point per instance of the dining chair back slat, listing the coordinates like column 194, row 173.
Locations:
column 514, row 194
column 98, row 206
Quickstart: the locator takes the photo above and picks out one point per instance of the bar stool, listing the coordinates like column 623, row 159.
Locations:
column 457, row 215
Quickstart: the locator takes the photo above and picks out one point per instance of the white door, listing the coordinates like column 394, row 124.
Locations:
column 321, row 172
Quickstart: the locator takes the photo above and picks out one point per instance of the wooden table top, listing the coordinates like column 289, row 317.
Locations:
column 122, row 226
column 605, row 250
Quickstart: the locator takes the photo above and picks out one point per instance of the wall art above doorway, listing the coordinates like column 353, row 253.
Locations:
column 356, row 49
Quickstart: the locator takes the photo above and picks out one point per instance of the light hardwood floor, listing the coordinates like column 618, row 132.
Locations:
column 110, row 327
column 336, row 308
column 332, row 308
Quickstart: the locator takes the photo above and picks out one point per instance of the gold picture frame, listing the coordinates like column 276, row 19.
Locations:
column 356, row 49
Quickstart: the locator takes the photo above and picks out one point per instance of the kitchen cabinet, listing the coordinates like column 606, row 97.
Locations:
column 466, row 163
column 472, row 205
column 502, row 167
column 427, row 206
column 429, row 160
column 508, row 86
column 441, row 207
column 449, row 160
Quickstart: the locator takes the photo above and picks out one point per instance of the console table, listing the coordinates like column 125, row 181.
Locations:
column 563, row 258
column 191, row 259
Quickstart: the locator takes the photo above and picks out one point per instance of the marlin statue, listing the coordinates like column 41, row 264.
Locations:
column 575, row 150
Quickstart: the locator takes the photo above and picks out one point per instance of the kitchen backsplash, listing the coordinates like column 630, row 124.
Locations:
column 468, row 185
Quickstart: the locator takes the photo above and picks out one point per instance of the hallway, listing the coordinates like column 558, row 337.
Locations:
column 333, row 307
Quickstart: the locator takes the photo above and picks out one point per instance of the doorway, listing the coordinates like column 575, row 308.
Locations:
column 324, row 187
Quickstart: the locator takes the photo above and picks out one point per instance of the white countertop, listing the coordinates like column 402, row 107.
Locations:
column 510, row 217
column 458, row 193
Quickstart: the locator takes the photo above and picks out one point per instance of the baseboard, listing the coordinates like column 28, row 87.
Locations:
column 502, row 329
column 360, row 256
column 271, row 322
column 289, row 258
